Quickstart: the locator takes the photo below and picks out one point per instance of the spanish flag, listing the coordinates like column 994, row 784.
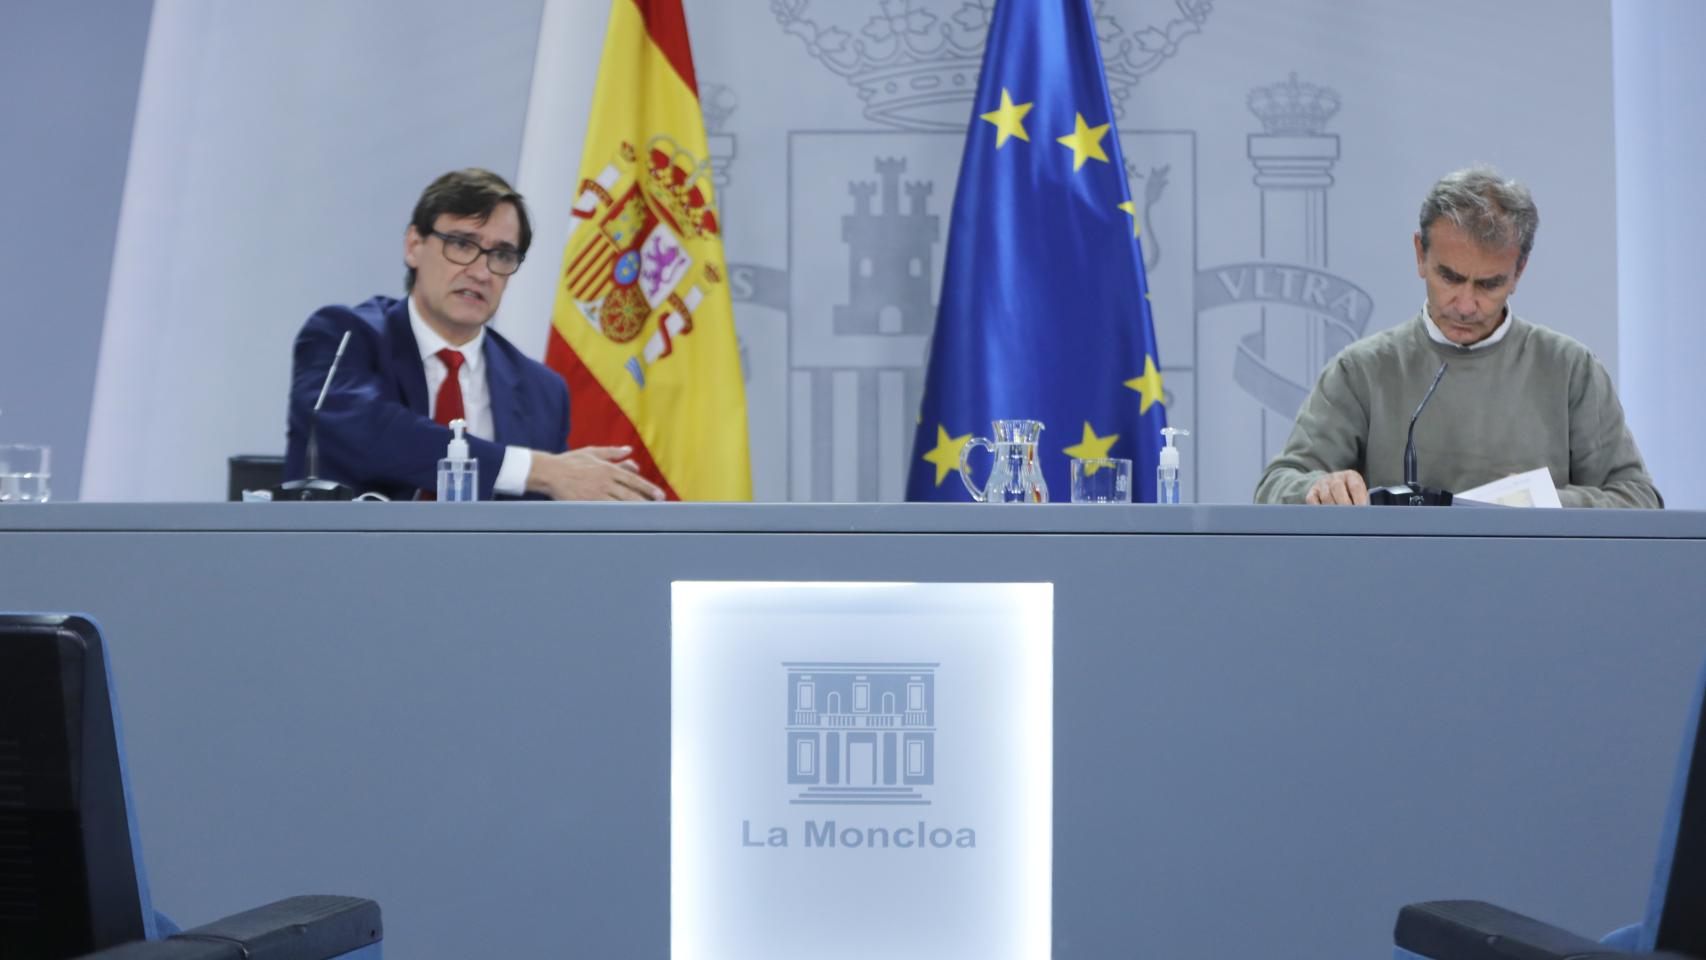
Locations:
column 642, row 327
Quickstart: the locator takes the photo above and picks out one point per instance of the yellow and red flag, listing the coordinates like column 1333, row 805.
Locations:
column 642, row 327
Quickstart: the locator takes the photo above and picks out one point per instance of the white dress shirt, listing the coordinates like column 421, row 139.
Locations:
column 1438, row 336
column 476, row 397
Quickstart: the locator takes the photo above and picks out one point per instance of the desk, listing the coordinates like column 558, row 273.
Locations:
column 1262, row 745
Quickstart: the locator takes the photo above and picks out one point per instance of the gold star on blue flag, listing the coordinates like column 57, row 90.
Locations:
column 1044, row 311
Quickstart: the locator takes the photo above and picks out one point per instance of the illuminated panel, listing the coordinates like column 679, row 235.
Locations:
column 861, row 770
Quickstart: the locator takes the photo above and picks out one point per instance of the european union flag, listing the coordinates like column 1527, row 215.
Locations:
column 1044, row 311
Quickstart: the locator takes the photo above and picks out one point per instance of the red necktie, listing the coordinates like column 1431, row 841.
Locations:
column 449, row 406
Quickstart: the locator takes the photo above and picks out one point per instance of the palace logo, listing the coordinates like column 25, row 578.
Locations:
column 861, row 733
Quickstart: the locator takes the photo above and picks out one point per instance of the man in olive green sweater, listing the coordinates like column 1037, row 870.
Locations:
column 1516, row 396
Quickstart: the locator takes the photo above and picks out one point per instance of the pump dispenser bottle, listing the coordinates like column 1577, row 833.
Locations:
column 458, row 473
column 1167, row 474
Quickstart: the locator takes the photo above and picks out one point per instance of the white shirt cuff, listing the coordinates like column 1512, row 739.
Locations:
column 512, row 476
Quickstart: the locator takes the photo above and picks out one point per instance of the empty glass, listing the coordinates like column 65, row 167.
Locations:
column 1101, row 480
column 24, row 471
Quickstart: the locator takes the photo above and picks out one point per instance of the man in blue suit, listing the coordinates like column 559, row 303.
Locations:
column 415, row 364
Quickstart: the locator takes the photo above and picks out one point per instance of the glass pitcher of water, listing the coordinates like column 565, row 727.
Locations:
column 1016, row 476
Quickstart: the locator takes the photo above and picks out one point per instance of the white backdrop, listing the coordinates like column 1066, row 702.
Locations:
column 1661, row 205
column 278, row 149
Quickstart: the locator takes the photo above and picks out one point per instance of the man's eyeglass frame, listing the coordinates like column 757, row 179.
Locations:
column 447, row 239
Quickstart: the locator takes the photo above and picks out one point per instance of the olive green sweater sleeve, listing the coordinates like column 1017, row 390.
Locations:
column 1606, row 469
column 1330, row 434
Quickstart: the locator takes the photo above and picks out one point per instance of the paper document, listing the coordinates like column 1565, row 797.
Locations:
column 1531, row 489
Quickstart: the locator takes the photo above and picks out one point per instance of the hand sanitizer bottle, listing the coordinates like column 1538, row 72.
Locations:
column 458, row 473
column 1167, row 474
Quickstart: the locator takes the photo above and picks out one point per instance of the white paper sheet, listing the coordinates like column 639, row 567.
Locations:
column 1531, row 489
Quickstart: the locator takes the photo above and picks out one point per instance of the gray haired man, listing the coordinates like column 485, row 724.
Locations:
column 1517, row 396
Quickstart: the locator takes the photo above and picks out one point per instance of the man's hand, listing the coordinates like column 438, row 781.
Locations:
column 1345, row 487
column 590, row 473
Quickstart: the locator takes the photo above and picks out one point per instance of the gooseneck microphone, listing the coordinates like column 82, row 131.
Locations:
column 1411, row 493
column 312, row 487
column 343, row 345
column 1409, row 441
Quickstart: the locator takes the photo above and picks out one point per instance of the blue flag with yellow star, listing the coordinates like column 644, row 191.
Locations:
column 1044, row 310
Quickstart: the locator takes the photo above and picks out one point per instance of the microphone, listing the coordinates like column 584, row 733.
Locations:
column 1411, row 493
column 343, row 345
column 311, row 487
column 1410, row 440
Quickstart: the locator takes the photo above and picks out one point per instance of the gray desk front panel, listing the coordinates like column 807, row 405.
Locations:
column 1262, row 746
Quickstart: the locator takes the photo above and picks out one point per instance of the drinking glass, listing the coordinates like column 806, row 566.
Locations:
column 1101, row 480
column 24, row 472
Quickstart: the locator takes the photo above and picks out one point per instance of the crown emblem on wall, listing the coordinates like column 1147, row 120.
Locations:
column 716, row 104
column 915, row 62
column 1293, row 107
column 680, row 184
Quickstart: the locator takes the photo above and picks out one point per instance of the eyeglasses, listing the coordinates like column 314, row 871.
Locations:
column 462, row 251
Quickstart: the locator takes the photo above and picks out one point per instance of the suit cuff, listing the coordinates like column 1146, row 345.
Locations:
column 512, row 475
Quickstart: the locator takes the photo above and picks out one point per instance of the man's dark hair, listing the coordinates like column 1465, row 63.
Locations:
column 466, row 193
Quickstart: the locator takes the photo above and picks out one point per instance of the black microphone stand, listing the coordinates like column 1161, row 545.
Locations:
column 311, row 487
column 1411, row 493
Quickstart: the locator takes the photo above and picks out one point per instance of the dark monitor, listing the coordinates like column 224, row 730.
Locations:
column 252, row 472
column 69, row 882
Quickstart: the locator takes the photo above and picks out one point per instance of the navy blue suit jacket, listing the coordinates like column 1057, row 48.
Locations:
column 374, row 432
